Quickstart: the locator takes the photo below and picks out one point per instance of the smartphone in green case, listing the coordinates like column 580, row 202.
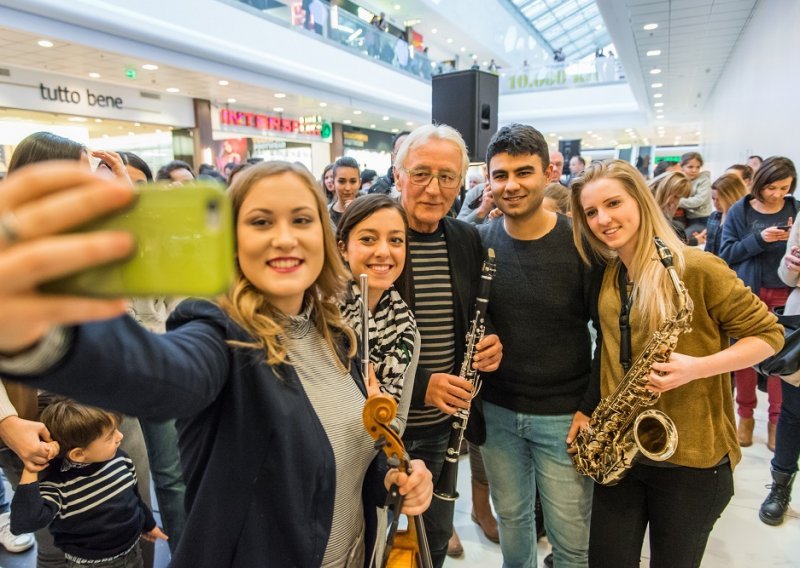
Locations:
column 184, row 246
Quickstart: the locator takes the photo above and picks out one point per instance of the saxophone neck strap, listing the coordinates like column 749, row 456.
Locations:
column 625, row 302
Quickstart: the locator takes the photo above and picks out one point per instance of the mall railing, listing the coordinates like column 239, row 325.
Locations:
column 344, row 29
column 564, row 75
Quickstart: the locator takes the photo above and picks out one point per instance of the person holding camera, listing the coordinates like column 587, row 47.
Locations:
column 264, row 380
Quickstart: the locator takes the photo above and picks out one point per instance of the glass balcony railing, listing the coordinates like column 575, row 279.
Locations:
column 320, row 19
column 565, row 75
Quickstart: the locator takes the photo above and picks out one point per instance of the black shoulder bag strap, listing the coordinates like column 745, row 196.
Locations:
column 624, row 319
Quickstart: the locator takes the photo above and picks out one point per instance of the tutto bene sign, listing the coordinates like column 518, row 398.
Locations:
column 308, row 126
column 35, row 90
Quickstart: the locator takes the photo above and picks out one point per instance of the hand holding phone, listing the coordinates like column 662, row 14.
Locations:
column 183, row 246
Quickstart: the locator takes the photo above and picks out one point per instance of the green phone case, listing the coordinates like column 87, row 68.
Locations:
column 184, row 246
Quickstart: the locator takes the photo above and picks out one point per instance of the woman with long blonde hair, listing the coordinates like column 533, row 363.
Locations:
column 616, row 218
column 264, row 382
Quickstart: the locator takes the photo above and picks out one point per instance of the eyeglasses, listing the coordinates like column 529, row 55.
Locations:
column 422, row 178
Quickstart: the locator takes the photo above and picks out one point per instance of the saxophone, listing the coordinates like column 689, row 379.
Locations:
column 621, row 429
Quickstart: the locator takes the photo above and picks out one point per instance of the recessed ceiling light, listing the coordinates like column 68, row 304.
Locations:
column 698, row 133
column 372, row 126
column 277, row 109
column 463, row 49
column 409, row 123
column 560, row 138
column 131, row 134
column 654, row 53
column 347, row 121
column 77, row 119
column 98, row 120
column 280, row 95
column 551, row 134
column 231, row 100
column 649, row 27
column 395, row 130
column 658, row 105
column 173, row 90
column 94, row 75
column 158, row 131
column 357, row 112
column 149, row 67
column 105, row 135
column 323, row 105
column 397, row 6
column 434, row 30
column 45, row 43
column 485, row 63
column 223, row 82
column 655, row 71
column 384, row 118
column 588, row 132
column 657, row 85
column 137, row 123
column 449, row 40
column 657, row 96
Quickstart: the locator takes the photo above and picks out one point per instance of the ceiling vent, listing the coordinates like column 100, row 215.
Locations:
column 5, row 72
column 145, row 95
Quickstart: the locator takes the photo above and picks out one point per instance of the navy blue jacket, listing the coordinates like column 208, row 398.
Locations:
column 740, row 246
column 259, row 469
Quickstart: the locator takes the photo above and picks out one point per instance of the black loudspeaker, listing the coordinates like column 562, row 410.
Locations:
column 467, row 101
column 569, row 148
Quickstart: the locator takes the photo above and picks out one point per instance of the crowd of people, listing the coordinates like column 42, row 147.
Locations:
column 248, row 407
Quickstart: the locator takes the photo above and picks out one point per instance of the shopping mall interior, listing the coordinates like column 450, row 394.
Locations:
column 215, row 81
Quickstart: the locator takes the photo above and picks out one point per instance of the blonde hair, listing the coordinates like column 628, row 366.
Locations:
column 248, row 306
column 427, row 132
column 559, row 194
column 730, row 188
column 667, row 187
column 654, row 299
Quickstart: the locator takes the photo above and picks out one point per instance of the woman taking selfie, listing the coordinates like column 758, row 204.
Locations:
column 371, row 236
column 616, row 218
column 753, row 244
column 264, row 382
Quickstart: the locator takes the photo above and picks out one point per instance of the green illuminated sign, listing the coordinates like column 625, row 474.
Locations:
column 130, row 73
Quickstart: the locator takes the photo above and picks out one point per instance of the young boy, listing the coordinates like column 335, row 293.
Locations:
column 88, row 495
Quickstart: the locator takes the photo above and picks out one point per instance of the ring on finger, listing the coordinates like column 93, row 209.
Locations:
column 9, row 228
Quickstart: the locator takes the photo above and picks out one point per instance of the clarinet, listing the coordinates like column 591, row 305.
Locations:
column 446, row 486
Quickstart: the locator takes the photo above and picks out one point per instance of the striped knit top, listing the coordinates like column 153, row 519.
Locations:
column 433, row 310
column 338, row 404
column 93, row 511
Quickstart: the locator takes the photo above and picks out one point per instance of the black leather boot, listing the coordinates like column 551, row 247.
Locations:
column 777, row 502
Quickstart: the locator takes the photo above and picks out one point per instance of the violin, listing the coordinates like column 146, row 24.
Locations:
column 404, row 548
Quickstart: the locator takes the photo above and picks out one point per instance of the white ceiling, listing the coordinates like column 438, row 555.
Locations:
column 695, row 38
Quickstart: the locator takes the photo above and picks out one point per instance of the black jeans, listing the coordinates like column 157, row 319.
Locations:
column 787, row 436
column 431, row 449
column 680, row 504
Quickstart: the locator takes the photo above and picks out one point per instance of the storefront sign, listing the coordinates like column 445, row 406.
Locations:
column 34, row 90
column 307, row 127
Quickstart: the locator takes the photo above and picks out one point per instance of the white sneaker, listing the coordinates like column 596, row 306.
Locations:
column 12, row 542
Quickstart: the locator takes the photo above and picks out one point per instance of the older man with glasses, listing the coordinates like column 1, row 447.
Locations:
column 440, row 287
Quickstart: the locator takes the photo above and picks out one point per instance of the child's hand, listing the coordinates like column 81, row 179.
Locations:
column 154, row 535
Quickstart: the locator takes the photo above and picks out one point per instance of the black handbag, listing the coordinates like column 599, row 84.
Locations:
column 786, row 361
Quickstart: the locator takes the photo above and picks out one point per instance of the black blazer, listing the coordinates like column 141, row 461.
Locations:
column 465, row 257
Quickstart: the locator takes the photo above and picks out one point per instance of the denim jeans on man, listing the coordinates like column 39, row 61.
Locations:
column 161, row 439
column 524, row 452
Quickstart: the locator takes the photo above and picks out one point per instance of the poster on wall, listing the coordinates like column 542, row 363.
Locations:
column 231, row 150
